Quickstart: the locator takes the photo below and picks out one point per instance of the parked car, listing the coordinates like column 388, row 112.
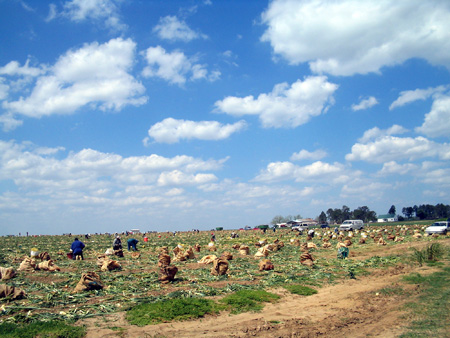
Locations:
column 438, row 228
column 324, row 226
column 352, row 224
column 301, row 227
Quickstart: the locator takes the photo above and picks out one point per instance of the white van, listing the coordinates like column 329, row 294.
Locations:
column 352, row 224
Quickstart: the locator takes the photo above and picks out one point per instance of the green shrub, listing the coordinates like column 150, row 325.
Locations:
column 300, row 290
column 169, row 310
column 248, row 300
column 52, row 329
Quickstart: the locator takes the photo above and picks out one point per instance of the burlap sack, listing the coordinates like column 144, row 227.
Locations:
column 236, row 246
column 227, row 255
column 207, row 259
column 135, row 255
column 262, row 252
column 167, row 273
column 304, row 247
column 28, row 264
column 109, row 265
column 44, row 256
column 197, row 248
column 244, row 250
column 348, row 242
column 11, row 292
column 265, row 265
column 220, row 267
column 311, row 245
column 118, row 253
column 362, row 241
column 164, row 250
column 48, row 266
column 89, row 281
column 189, row 253
column 164, row 260
column 326, row 245
column 7, row 273
column 212, row 247
column 306, row 259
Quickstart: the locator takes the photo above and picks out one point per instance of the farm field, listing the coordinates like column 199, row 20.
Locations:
column 358, row 296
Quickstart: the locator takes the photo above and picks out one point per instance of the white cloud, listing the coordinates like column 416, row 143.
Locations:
column 4, row 89
column 392, row 167
column 176, row 177
column 9, row 122
column 171, row 28
column 365, row 104
column 13, row 68
column 409, row 96
column 38, row 169
column 352, row 36
column 97, row 10
column 318, row 171
column 171, row 130
column 96, row 74
column 437, row 121
column 375, row 133
column 307, row 155
column 174, row 67
column 390, row 148
column 285, row 106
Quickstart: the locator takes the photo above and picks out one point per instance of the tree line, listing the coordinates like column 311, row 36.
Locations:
column 427, row 211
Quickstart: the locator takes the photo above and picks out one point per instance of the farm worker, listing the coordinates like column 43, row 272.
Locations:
column 213, row 237
column 117, row 244
column 311, row 233
column 132, row 244
column 145, row 239
column 77, row 248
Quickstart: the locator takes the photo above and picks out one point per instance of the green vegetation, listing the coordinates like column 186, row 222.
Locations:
column 170, row 310
column 248, row 300
column 300, row 290
column 52, row 329
column 431, row 253
column 429, row 315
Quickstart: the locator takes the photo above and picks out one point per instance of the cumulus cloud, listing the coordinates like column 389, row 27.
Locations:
column 437, row 121
column 286, row 106
column 32, row 167
column 409, row 96
column 376, row 132
column 351, row 36
column 390, row 148
column 106, row 11
column 13, row 68
column 172, row 29
column 95, row 75
column 307, row 155
column 318, row 171
column 392, row 167
column 175, row 67
column 171, row 130
column 365, row 104
column 177, row 177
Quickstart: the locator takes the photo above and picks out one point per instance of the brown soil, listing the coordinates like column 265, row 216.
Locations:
column 355, row 308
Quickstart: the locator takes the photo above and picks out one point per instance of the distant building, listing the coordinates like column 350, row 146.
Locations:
column 387, row 218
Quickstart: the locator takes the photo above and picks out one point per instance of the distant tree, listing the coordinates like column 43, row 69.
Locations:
column 346, row 213
column 392, row 210
column 330, row 215
column 408, row 211
column 441, row 210
column 322, row 218
column 364, row 213
column 277, row 219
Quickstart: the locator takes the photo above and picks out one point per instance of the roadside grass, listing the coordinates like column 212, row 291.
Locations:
column 300, row 290
column 52, row 329
column 429, row 315
column 248, row 300
column 175, row 309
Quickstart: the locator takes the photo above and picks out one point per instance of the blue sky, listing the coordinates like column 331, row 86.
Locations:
column 173, row 115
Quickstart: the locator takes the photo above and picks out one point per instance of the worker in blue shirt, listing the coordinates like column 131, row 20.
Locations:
column 77, row 249
column 132, row 244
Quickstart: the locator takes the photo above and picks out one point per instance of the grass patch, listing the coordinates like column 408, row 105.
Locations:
column 392, row 291
column 431, row 253
column 248, row 300
column 52, row 329
column 170, row 310
column 430, row 314
column 300, row 290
